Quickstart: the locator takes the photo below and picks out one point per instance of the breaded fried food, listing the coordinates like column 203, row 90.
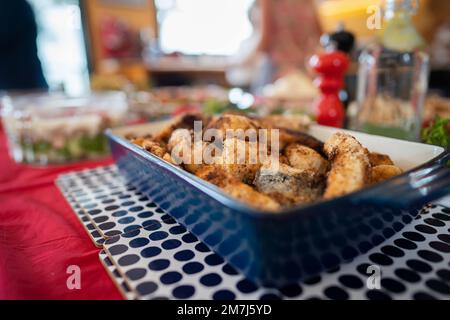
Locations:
column 154, row 148
column 378, row 159
column 235, row 188
column 232, row 122
column 288, row 185
column 350, row 165
column 240, row 159
column 184, row 122
column 305, row 158
column 384, row 172
column 294, row 122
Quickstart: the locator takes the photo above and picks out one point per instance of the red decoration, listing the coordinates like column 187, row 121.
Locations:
column 331, row 67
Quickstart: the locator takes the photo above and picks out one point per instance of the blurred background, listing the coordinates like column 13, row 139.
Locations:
column 170, row 57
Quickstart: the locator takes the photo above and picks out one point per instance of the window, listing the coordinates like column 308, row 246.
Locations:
column 61, row 45
column 212, row 27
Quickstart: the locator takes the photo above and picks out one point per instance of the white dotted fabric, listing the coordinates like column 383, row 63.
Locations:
column 156, row 258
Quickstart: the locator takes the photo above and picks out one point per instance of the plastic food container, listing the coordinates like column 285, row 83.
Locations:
column 53, row 129
column 275, row 249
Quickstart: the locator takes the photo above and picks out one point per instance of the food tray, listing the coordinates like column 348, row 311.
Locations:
column 274, row 249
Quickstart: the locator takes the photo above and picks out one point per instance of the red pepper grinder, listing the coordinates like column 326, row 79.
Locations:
column 331, row 65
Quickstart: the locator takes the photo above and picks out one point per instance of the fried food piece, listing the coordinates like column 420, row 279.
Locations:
column 294, row 122
column 232, row 122
column 240, row 159
column 304, row 158
column 350, row 165
column 385, row 172
column 157, row 149
column 288, row 185
column 185, row 122
column 378, row 159
column 235, row 188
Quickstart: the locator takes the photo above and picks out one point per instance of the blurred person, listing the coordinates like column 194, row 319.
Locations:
column 286, row 33
column 20, row 68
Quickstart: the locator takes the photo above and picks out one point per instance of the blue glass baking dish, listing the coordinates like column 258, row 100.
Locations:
column 276, row 249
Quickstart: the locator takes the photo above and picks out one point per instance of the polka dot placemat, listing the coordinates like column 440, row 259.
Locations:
column 163, row 260
column 117, row 278
column 80, row 213
column 112, row 206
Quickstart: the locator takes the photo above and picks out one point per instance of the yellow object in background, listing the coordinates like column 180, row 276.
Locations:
column 354, row 15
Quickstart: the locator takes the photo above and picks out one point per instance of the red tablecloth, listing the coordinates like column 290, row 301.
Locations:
column 40, row 237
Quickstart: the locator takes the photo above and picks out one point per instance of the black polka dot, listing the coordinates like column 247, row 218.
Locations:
column 336, row 293
column 171, row 244
column 229, row 270
column 362, row 269
column 107, row 226
column 381, row 259
column 444, row 237
column 119, row 213
column 407, row 275
column 444, row 274
column 392, row 251
column 425, row 229
column 151, row 252
column 131, row 232
column 189, row 238
column 440, row 246
column 118, row 249
column 111, row 208
column 113, row 233
column 414, row 236
column 136, row 274
column 151, row 225
column 419, row 266
column 438, row 286
column 224, row 295
column 94, row 212
column 183, row 292
column 351, row 281
column 184, row 255
column 211, row 279
column 158, row 235
column 171, row 277
column 434, row 222
column 405, row 244
column 392, row 285
column 145, row 214
column 101, row 219
column 213, row 260
column 291, row 291
column 136, row 209
column 147, row 288
column 158, row 265
column 193, row 267
column 430, row 256
column 377, row 295
column 246, row 286
column 441, row 216
column 423, row 296
column 177, row 230
column 128, row 260
column 202, row 247
column 139, row 242
column 126, row 220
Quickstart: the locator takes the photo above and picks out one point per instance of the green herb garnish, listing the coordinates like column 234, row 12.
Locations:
column 437, row 133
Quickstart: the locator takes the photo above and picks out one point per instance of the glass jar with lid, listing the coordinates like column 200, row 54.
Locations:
column 392, row 77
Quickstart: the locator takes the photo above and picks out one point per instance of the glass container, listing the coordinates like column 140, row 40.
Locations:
column 392, row 78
